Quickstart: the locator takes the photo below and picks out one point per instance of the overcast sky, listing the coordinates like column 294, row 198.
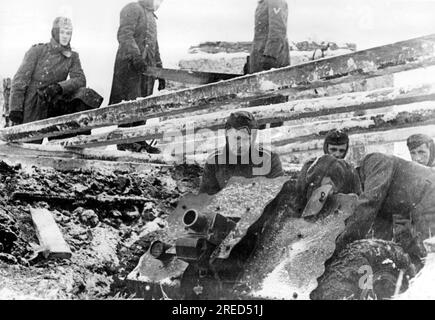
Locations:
column 183, row 23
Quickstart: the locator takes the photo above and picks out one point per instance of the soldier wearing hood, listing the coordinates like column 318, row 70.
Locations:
column 138, row 49
column 240, row 157
column 270, row 48
column 422, row 149
column 325, row 169
column 336, row 144
column 50, row 81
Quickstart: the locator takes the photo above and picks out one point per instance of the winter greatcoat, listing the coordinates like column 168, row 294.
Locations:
column 137, row 37
column 393, row 189
column 270, row 35
column 43, row 65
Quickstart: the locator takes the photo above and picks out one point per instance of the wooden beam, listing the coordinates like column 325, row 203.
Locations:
column 70, row 164
column 52, row 151
column 383, row 136
column 51, row 241
column 401, row 56
column 291, row 111
column 192, row 77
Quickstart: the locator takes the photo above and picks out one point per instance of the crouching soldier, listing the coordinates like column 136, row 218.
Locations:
column 50, row 81
column 336, row 145
column 422, row 149
column 397, row 203
column 240, row 156
column 326, row 169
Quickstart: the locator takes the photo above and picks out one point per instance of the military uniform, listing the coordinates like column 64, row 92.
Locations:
column 219, row 170
column 44, row 65
column 270, row 36
column 394, row 189
column 137, row 37
column 342, row 174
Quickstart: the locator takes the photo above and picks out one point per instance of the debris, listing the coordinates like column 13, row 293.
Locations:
column 90, row 218
column 50, row 237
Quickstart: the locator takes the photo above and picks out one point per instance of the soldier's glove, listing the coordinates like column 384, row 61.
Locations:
column 139, row 64
column 52, row 91
column 162, row 84
column 268, row 63
column 16, row 117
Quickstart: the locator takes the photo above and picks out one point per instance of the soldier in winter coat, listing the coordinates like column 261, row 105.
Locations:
column 270, row 48
column 50, row 81
column 138, row 49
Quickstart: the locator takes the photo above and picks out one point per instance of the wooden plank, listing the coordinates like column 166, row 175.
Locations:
column 396, row 134
column 52, row 243
column 312, row 128
column 333, row 90
column 52, row 151
column 401, row 56
column 291, row 111
column 192, row 77
column 70, row 164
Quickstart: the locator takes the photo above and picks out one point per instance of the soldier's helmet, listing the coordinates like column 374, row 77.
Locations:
column 241, row 120
column 336, row 137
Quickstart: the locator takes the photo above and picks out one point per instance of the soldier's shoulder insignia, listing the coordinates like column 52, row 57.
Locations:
column 277, row 10
column 38, row 45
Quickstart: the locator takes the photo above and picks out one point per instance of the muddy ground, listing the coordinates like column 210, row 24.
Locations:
column 104, row 236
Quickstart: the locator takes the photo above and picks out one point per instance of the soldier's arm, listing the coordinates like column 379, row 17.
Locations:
column 378, row 171
column 159, row 63
column 209, row 183
column 278, row 15
column 77, row 78
column 129, row 16
column 23, row 77
column 302, row 186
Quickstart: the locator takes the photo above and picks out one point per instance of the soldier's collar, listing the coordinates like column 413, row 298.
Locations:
column 66, row 51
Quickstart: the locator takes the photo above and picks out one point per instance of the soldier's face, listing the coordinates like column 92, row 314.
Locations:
column 421, row 154
column 65, row 36
column 157, row 4
column 337, row 151
column 239, row 141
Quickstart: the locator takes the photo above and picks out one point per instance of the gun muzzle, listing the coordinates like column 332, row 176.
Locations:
column 195, row 221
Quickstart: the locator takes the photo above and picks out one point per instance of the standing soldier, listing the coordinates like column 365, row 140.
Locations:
column 422, row 149
column 138, row 49
column 270, row 48
column 50, row 81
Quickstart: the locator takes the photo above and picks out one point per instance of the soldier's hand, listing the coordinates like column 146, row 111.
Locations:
column 16, row 117
column 268, row 62
column 162, row 84
column 53, row 90
column 139, row 64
